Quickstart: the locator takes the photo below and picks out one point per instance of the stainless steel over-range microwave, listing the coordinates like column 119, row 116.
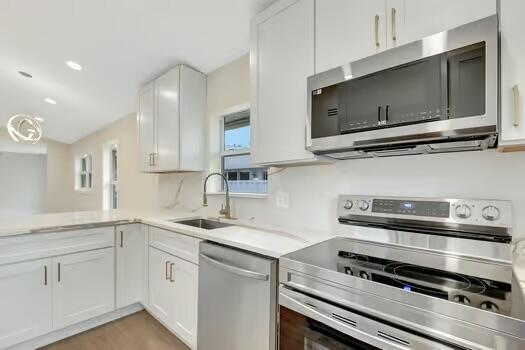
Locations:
column 438, row 94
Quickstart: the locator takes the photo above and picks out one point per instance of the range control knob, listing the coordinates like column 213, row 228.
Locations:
column 489, row 306
column 363, row 205
column 461, row 299
column 491, row 213
column 364, row 275
column 463, row 211
column 348, row 204
column 349, row 271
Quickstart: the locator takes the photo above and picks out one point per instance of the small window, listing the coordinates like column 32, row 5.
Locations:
column 84, row 178
column 113, row 198
column 243, row 176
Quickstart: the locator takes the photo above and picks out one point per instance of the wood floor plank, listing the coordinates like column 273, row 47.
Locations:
column 139, row 331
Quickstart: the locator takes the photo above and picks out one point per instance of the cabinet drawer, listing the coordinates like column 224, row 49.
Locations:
column 185, row 247
column 37, row 246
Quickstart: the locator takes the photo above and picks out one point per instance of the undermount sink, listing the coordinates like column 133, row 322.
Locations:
column 203, row 223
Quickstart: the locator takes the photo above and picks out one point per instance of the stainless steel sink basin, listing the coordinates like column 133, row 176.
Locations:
column 203, row 223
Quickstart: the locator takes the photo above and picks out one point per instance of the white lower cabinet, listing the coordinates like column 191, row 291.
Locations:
column 173, row 286
column 84, row 286
column 185, row 277
column 130, row 250
column 161, row 293
column 25, row 301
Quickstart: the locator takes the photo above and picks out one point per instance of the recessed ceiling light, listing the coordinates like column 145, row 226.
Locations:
column 25, row 74
column 48, row 100
column 74, row 65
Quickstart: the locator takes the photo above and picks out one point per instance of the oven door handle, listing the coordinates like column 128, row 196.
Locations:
column 356, row 326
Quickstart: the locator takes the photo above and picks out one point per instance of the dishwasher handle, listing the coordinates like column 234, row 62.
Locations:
column 235, row 270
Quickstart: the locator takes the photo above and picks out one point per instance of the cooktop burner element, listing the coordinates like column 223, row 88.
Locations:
column 467, row 290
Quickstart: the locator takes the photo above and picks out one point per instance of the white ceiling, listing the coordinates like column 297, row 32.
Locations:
column 121, row 44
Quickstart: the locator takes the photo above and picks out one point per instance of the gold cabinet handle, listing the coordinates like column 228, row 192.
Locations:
column 517, row 107
column 59, row 274
column 172, row 279
column 121, row 239
column 377, row 30
column 394, row 24
column 167, row 276
column 45, row 275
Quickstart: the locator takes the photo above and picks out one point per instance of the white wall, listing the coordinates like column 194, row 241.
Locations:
column 137, row 191
column 58, row 188
column 23, row 179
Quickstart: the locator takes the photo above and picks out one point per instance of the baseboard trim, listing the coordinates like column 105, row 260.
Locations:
column 69, row 331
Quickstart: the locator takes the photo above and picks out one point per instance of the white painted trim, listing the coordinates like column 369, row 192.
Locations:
column 67, row 332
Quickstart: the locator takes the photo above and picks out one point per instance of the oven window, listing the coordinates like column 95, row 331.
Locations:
column 298, row 332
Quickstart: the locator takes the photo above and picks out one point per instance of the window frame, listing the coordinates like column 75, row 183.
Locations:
column 223, row 153
column 88, row 173
column 113, row 177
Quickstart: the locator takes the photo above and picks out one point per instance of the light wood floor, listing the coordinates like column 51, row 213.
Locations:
column 139, row 331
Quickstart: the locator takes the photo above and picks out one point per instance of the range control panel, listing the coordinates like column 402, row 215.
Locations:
column 482, row 212
column 411, row 207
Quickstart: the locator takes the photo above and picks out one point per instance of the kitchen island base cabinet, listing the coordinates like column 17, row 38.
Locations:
column 25, row 301
column 173, row 294
column 84, row 286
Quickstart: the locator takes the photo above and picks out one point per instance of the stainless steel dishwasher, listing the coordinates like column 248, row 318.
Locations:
column 237, row 300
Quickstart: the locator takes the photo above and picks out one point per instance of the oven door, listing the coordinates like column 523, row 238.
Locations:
column 307, row 323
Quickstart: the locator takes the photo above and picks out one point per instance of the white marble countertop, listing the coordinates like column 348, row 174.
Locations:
column 242, row 235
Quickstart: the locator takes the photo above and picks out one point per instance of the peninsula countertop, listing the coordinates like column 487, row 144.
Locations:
column 242, row 235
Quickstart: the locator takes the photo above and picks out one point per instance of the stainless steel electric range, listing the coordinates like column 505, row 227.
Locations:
column 405, row 273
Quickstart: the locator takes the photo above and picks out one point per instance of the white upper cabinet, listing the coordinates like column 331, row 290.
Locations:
column 171, row 122
column 410, row 20
column 25, row 301
column 131, row 262
column 146, row 123
column 350, row 30
column 347, row 31
column 512, row 73
column 281, row 59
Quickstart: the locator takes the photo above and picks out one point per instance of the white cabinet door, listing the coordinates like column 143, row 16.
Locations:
column 25, row 301
column 186, row 276
column 130, row 250
column 346, row 31
column 161, row 290
column 282, row 57
column 146, row 127
column 512, row 72
column 167, row 122
column 416, row 19
column 84, row 286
